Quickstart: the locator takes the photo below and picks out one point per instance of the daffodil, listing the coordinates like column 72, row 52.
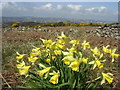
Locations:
column 24, row 70
column 46, row 75
column 53, row 57
column 55, row 77
column 57, row 52
column 63, row 36
column 85, row 60
column 67, row 53
column 20, row 56
column 61, row 41
column 85, row 45
column 47, row 51
column 95, row 51
column 82, row 59
column 20, row 65
column 107, row 76
column 41, row 65
column 35, row 54
column 32, row 59
column 47, row 43
column 52, row 46
column 47, row 60
column 106, row 50
column 97, row 63
column 35, row 50
column 45, row 70
column 114, row 55
column 74, row 42
column 73, row 49
column 75, row 65
column 68, row 59
column 60, row 46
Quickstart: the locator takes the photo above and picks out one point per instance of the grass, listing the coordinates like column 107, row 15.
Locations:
column 9, row 52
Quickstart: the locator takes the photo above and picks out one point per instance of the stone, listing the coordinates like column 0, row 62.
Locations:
column 117, row 37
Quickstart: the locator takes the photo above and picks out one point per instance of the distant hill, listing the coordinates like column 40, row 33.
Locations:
column 10, row 20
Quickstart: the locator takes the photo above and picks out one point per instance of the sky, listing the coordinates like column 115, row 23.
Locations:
column 105, row 11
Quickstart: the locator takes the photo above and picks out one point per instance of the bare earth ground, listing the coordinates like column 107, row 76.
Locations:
column 18, row 39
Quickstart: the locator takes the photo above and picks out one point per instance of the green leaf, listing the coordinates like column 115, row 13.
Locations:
column 74, row 84
column 61, row 85
column 21, row 87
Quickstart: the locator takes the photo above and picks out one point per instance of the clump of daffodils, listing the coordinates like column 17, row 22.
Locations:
column 56, row 65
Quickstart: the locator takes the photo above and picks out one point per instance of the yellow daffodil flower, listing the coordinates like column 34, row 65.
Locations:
column 85, row 45
column 68, row 59
column 52, row 46
column 73, row 49
column 55, row 77
column 60, row 46
column 67, row 53
column 61, row 41
column 98, row 63
column 74, row 42
column 46, row 75
column 95, row 51
column 47, row 60
column 53, row 57
column 32, row 59
column 75, row 65
column 106, row 76
column 24, row 70
column 47, row 51
column 57, row 52
column 85, row 60
column 35, row 54
column 20, row 56
column 35, row 50
column 106, row 50
column 20, row 65
column 45, row 70
column 47, row 43
column 80, row 60
column 113, row 55
column 63, row 36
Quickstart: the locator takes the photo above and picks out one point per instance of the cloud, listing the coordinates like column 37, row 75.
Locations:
column 8, row 4
column 102, row 8
column 59, row 7
column 11, row 6
column 47, row 6
column 12, row 9
column 96, row 9
column 74, row 7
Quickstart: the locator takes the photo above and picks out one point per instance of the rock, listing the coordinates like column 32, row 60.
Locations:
column 87, row 31
column 117, row 37
column 108, row 31
column 98, row 34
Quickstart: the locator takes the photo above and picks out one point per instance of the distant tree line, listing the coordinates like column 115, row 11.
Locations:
column 17, row 24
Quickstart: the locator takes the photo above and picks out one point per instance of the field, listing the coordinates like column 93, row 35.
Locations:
column 23, row 41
